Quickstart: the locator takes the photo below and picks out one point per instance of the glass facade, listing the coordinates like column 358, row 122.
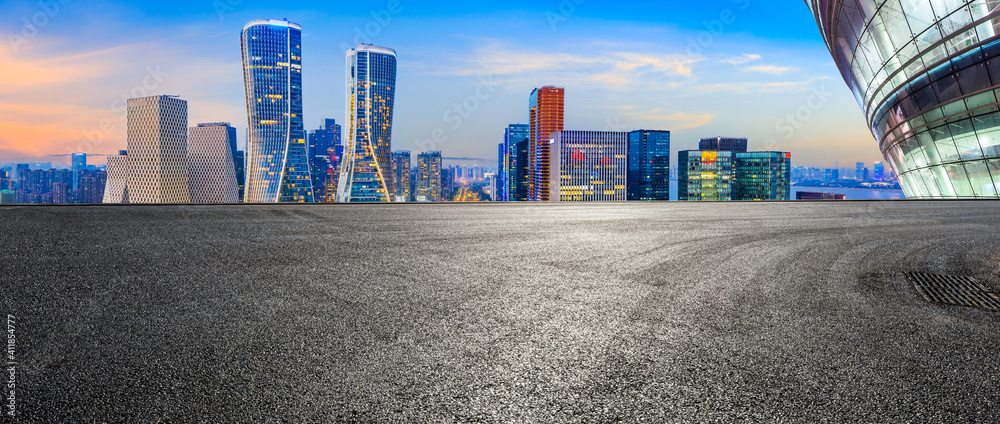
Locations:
column 366, row 173
column 278, row 166
column 79, row 164
column 762, row 176
column 515, row 138
column 926, row 73
column 729, row 144
column 704, row 176
column 649, row 165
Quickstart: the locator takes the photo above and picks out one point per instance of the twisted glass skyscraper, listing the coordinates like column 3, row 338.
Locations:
column 927, row 76
column 277, row 161
column 366, row 173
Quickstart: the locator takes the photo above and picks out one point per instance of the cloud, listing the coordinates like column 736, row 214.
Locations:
column 742, row 59
column 752, row 87
column 60, row 99
column 771, row 69
column 614, row 69
column 674, row 121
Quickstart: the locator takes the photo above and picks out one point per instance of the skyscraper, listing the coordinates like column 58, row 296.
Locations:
column 212, row 164
column 448, row 184
column 729, row 144
column 859, row 169
column 429, row 177
column 325, row 151
column 401, row 168
column 515, row 139
column 704, row 175
column 522, row 174
column 588, row 166
column 366, row 173
column 546, row 108
column 240, row 163
column 79, row 164
column 649, row 165
column 116, row 185
column 762, row 176
column 499, row 184
column 719, row 175
column 157, row 150
column 925, row 74
column 879, row 171
column 278, row 167
column 92, row 185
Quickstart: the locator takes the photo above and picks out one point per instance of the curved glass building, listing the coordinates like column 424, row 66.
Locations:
column 366, row 173
column 277, row 167
column 927, row 76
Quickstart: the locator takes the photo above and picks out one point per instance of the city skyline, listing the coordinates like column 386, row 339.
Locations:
column 467, row 81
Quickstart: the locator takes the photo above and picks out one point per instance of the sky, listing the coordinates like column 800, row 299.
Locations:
column 735, row 68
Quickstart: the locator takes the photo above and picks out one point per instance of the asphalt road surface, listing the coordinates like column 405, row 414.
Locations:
column 659, row 312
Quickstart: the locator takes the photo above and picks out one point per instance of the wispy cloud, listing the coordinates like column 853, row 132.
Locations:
column 741, row 59
column 771, row 69
column 613, row 69
column 64, row 99
column 676, row 121
column 752, row 87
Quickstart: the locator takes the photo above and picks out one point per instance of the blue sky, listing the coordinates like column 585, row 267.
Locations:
column 733, row 68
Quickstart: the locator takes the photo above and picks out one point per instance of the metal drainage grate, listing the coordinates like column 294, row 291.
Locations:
column 964, row 291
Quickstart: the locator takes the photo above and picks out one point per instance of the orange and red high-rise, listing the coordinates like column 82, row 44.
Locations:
column 547, row 115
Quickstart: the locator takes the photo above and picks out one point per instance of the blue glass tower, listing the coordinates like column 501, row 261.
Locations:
column 79, row 164
column 516, row 166
column 649, row 165
column 277, row 157
column 366, row 172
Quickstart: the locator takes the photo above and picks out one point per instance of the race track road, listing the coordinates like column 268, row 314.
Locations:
column 656, row 312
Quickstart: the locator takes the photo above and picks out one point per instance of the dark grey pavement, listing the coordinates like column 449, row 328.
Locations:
column 784, row 312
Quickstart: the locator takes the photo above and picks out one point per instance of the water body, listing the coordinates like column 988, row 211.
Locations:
column 855, row 193
column 851, row 193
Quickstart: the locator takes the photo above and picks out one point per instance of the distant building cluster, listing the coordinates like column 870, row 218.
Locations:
column 542, row 161
column 860, row 176
column 40, row 183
